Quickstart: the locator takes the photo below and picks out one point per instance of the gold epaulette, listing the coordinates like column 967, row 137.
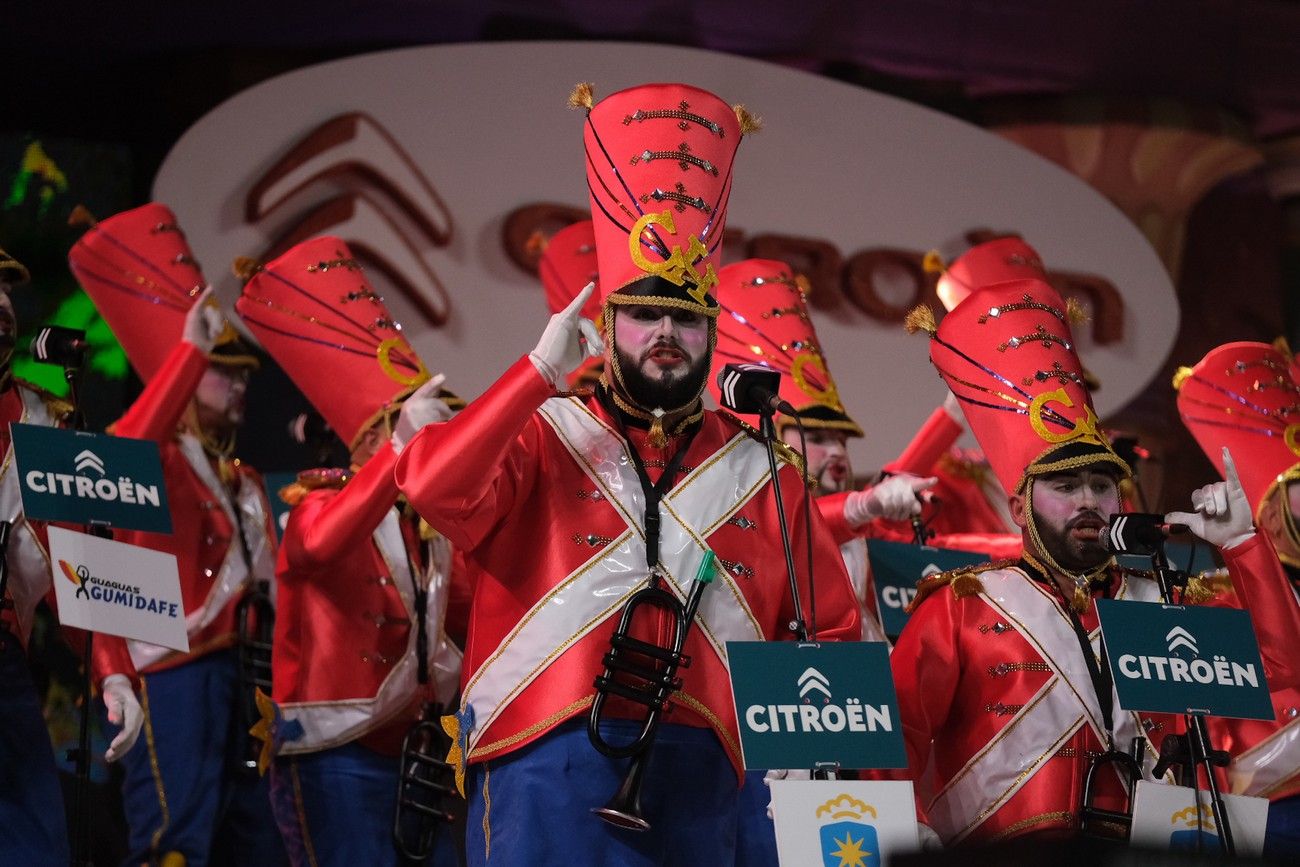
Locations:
column 784, row 452
column 1207, row 585
column 58, row 407
column 311, row 480
column 965, row 581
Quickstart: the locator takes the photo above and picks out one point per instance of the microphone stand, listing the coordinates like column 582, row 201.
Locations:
column 1192, row 751
column 767, row 427
column 81, row 755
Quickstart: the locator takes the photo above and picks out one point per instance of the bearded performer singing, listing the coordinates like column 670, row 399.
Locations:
column 548, row 497
column 187, row 788
column 33, row 829
column 998, row 698
column 360, row 653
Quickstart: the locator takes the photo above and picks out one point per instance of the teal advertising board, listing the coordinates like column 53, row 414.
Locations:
column 805, row 705
column 896, row 567
column 1184, row 659
column 80, row 478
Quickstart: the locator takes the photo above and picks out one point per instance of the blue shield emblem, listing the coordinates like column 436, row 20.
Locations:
column 1184, row 840
column 850, row 844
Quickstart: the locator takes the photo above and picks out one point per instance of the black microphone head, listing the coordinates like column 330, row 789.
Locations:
column 54, row 344
column 745, row 388
column 1135, row 533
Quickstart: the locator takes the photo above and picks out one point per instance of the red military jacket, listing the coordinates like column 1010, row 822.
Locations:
column 1266, row 753
column 539, row 493
column 997, row 705
column 213, row 572
column 344, row 657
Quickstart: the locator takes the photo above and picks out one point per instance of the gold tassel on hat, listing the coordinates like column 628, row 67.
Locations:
column 81, row 216
column 244, row 267
column 582, row 95
column 1074, row 312
column 749, row 123
column 1180, row 376
column 933, row 263
column 920, row 318
column 1281, row 345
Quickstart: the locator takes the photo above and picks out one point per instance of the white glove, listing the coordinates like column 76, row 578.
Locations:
column 783, row 774
column 203, row 322
column 1222, row 515
column 953, row 408
column 567, row 340
column 421, row 408
column 894, row 499
column 928, row 838
column 123, row 710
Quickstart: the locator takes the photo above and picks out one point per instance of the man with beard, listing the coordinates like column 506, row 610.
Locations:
column 1002, row 707
column 33, row 829
column 188, row 789
column 565, row 507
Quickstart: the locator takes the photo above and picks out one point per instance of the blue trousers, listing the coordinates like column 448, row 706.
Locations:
column 33, row 830
column 335, row 809
column 756, row 835
column 182, row 791
column 534, row 806
column 1282, row 834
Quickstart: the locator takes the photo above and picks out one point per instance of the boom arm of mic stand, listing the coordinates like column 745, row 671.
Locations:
column 768, row 429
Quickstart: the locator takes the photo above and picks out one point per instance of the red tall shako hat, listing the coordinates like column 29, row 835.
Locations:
column 1246, row 396
column 659, row 172
column 765, row 320
column 1007, row 354
column 315, row 313
column 995, row 261
column 142, row 276
column 566, row 265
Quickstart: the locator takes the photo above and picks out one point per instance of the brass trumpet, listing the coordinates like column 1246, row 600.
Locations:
column 649, row 678
column 424, row 785
column 255, row 624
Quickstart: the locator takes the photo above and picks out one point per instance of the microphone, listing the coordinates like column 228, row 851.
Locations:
column 752, row 388
column 54, row 344
column 1138, row 533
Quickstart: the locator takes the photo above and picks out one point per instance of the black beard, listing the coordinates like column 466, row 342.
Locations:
column 673, row 392
column 1073, row 555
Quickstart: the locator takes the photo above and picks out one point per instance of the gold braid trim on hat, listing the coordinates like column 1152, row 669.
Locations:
column 1273, row 515
column 616, row 298
column 1047, row 565
column 847, row 425
column 1039, row 467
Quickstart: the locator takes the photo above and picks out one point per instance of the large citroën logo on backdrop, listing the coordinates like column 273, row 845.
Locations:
column 350, row 177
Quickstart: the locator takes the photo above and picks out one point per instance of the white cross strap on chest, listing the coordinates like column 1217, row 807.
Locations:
column 700, row 503
column 1047, row 721
column 29, row 562
column 328, row 724
column 233, row 575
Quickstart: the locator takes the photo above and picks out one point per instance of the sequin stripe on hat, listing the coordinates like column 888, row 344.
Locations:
column 391, row 351
column 1241, row 399
column 181, row 259
column 165, row 294
column 366, row 293
column 1023, row 407
column 1290, row 434
column 782, row 360
column 681, row 114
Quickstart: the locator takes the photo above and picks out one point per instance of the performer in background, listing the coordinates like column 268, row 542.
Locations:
column 765, row 320
column 1000, row 703
column 1246, row 397
column 548, row 497
column 187, row 788
column 33, row 827
column 360, row 653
